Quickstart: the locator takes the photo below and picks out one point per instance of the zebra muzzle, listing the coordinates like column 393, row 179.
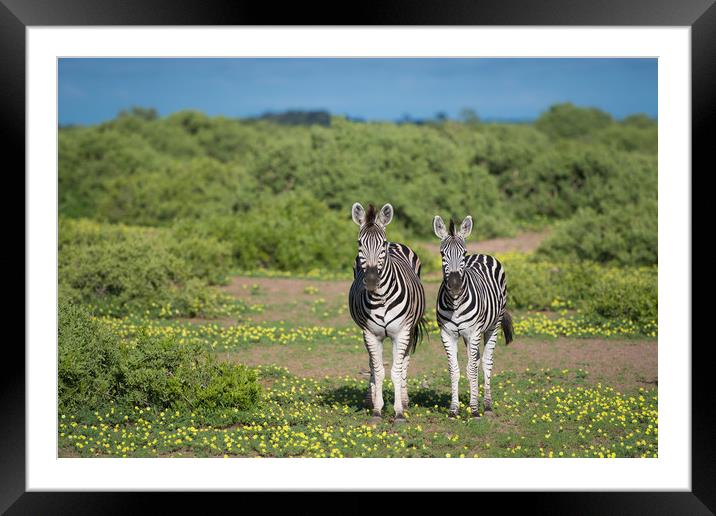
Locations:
column 454, row 282
column 370, row 279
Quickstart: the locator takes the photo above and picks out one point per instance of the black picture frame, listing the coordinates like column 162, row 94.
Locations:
column 700, row 15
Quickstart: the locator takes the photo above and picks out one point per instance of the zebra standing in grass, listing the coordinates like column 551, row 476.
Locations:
column 471, row 303
column 386, row 300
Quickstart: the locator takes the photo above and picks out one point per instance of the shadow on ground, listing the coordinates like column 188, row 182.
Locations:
column 354, row 397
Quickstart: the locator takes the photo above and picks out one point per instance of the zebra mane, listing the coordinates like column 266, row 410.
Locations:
column 452, row 227
column 370, row 214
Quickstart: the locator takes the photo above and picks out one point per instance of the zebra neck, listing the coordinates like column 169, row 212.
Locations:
column 384, row 278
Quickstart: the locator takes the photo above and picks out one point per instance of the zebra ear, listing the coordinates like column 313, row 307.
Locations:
column 439, row 227
column 385, row 215
column 466, row 227
column 358, row 214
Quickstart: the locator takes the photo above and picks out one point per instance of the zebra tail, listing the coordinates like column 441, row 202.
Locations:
column 419, row 331
column 507, row 328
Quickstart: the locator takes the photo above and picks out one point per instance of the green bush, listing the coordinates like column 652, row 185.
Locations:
column 159, row 372
column 598, row 291
column 630, row 138
column 89, row 360
column 625, row 294
column 569, row 121
column 97, row 368
column 622, row 236
column 573, row 175
column 288, row 232
column 189, row 170
column 120, row 269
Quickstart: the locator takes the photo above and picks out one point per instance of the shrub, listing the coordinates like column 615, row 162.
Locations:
column 96, row 368
column 625, row 294
column 89, row 359
column 159, row 372
column 630, row 138
column 191, row 189
column 90, row 159
column 572, row 176
column 120, row 269
column 288, row 232
column 598, row 291
column 569, row 121
column 192, row 169
column 624, row 236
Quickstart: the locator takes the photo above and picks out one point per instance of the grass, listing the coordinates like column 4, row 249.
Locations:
column 567, row 387
column 540, row 413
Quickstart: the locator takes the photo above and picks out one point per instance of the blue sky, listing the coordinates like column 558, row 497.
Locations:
column 94, row 90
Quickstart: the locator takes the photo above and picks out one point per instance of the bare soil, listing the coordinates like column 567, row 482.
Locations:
column 621, row 364
column 524, row 242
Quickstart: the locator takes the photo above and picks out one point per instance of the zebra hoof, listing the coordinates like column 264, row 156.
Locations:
column 452, row 414
column 489, row 413
column 399, row 420
column 376, row 419
column 475, row 417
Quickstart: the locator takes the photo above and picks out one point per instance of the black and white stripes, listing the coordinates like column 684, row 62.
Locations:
column 386, row 299
column 471, row 303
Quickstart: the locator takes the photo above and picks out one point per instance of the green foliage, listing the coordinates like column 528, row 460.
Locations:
column 623, row 236
column 569, row 121
column 219, row 177
column 190, row 189
column 624, row 294
column 120, row 269
column 598, row 291
column 291, row 232
column 89, row 359
column 157, row 372
column 97, row 368
column 630, row 138
column 573, row 175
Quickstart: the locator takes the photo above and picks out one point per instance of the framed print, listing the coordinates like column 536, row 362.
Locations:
column 229, row 214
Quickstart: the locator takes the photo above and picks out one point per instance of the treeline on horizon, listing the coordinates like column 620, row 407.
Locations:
column 275, row 192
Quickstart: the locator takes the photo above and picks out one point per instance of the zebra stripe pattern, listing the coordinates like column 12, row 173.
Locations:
column 471, row 304
column 386, row 299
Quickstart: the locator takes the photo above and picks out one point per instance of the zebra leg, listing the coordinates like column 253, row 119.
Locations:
column 368, row 402
column 404, row 385
column 473, row 365
column 374, row 345
column 450, row 344
column 490, row 341
column 400, row 349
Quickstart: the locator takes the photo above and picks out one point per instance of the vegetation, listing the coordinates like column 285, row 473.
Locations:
column 118, row 269
column 548, row 413
column 97, row 369
column 598, row 291
column 219, row 176
column 157, row 214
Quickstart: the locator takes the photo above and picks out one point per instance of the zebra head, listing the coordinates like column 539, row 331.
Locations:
column 453, row 252
column 372, row 245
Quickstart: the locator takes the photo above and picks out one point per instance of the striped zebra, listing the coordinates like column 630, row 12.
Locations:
column 471, row 303
column 386, row 299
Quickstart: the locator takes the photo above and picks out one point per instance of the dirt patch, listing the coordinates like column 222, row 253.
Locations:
column 525, row 242
column 301, row 301
column 622, row 364
column 281, row 289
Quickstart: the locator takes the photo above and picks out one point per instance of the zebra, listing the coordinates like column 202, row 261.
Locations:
column 471, row 303
column 386, row 299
